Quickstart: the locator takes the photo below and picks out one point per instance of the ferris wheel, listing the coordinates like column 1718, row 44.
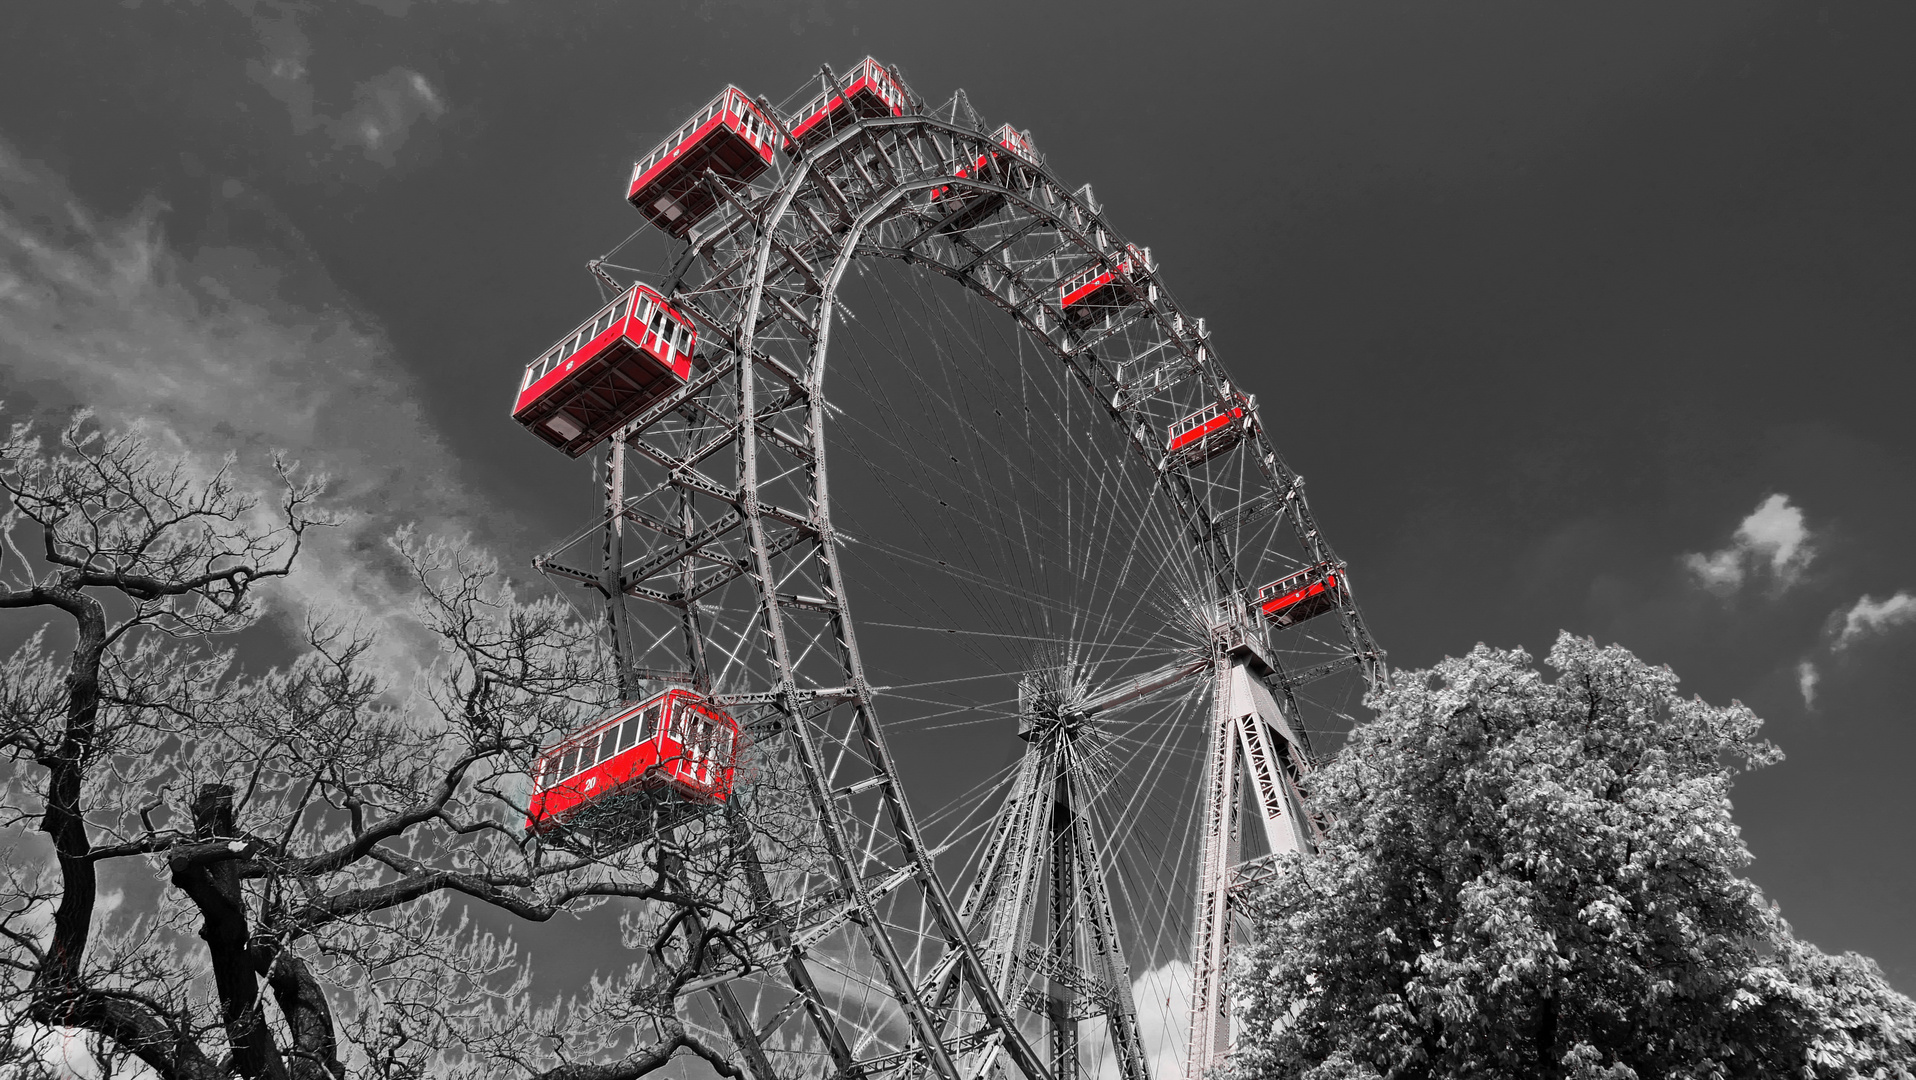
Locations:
column 995, row 821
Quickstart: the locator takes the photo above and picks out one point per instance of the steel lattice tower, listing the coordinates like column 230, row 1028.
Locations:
column 722, row 569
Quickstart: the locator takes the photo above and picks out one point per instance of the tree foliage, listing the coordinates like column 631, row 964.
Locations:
column 312, row 871
column 1533, row 877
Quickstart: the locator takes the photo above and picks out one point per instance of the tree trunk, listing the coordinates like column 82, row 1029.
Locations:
column 315, row 1052
column 208, row 873
column 1547, row 1063
column 64, row 821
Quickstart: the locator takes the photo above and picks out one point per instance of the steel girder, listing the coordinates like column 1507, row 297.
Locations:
column 734, row 483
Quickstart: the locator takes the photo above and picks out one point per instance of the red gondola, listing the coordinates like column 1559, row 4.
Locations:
column 1303, row 595
column 970, row 207
column 730, row 136
column 1103, row 284
column 1015, row 141
column 871, row 92
column 606, row 372
column 1209, row 431
column 676, row 746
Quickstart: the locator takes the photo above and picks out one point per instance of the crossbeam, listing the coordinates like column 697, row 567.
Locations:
column 1132, row 689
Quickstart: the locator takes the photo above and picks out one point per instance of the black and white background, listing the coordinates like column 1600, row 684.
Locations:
column 1596, row 317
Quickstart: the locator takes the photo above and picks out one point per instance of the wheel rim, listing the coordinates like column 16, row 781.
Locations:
column 862, row 933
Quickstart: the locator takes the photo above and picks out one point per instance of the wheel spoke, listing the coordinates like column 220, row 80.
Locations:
column 898, row 415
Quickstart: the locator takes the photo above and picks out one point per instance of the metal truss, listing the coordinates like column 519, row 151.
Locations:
column 1250, row 738
column 719, row 564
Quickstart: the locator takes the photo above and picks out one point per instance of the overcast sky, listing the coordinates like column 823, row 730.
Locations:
column 1595, row 317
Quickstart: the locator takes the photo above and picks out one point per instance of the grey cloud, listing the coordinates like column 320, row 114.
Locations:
column 398, row 8
column 386, row 108
column 211, row 357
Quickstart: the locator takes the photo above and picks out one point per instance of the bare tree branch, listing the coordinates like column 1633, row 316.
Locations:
column 329, row 839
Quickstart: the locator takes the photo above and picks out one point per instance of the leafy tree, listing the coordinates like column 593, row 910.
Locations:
column 1533, row 877
column 313, row 864
column 1861, row 1025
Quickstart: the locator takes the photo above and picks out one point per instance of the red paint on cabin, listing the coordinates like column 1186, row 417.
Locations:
column 730, row 136
column 606, row 372
column 1307, row 593
column 871, row 92
column 1207, row 421
column 970, row 207
column 1103, row 283
column 676, row 744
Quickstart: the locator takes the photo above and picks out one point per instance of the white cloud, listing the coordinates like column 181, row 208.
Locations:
column 1775, row 528
column 1772, row 537
column 1806, row 679
column 211, row 355
column 1163, row 997
column 68, row 1053
column 1870, row 616
column 1719, row 571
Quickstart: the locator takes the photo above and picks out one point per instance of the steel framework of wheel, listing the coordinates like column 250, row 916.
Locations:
column 1040, row 582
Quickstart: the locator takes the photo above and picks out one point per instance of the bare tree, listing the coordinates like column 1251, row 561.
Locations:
column 317, row 867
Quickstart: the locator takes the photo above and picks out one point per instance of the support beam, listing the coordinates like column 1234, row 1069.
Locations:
column 1249, row 735
column 1211, row 927
column 1267, row 742
column 612, row 558
column 1043, row 858
column 1060, row 996
column 1105, row 946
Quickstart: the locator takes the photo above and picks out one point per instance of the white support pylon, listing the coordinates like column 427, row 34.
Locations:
column 1267, row 742
column 1246, row 729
